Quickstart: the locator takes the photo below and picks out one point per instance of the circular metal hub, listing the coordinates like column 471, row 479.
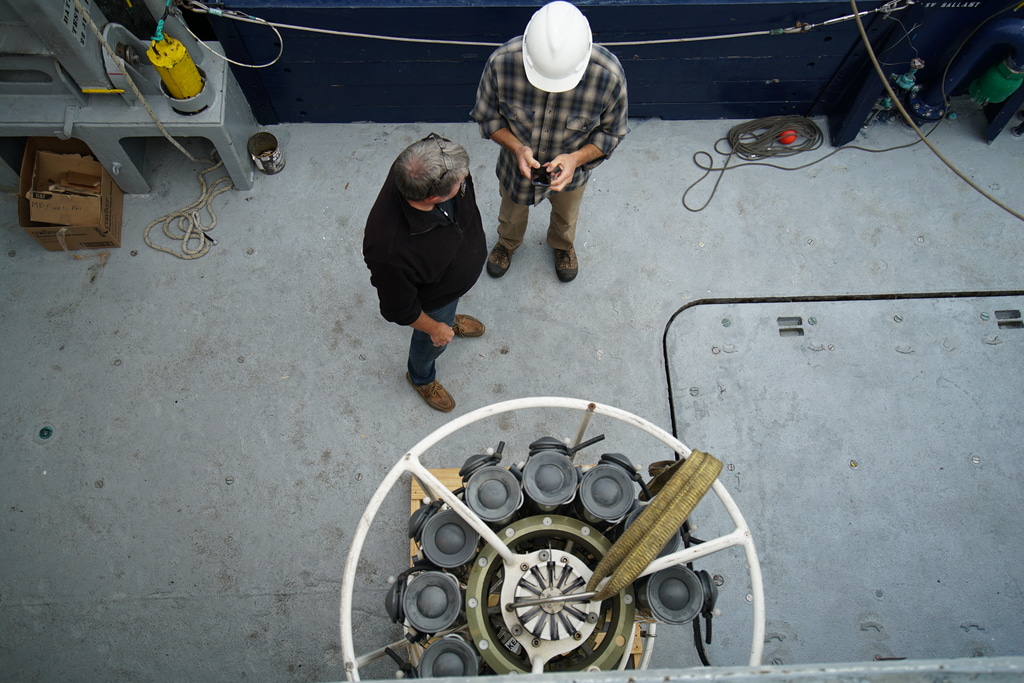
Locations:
column 551, row 574
column 523, row 611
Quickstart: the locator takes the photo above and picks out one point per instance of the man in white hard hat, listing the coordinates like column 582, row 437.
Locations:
column 556, row 104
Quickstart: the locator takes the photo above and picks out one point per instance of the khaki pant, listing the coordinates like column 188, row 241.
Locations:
column 565, row 211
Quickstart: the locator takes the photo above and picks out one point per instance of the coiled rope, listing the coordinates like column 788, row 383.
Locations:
column 185, row 226
column 761, row 138
column 753, row 141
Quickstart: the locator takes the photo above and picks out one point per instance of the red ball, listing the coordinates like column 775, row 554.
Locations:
column 787, row 137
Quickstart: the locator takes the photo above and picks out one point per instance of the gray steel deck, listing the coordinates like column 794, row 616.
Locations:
column 219, row 425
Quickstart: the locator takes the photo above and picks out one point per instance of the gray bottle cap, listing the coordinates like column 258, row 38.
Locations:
column 449, row 656
column 432, row 602
column 607, row 493
column 673, row 595
column 493, row 493
column 448, row 540
column 549, row 478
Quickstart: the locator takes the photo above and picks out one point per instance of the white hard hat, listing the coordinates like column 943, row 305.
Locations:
column 556, row 47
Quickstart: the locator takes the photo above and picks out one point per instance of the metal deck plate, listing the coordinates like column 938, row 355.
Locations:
column 874, row 447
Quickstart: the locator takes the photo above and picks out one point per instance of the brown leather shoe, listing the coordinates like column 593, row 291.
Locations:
column 499, row 260
column 566, row 265
column 436, row 396
column 467, row 326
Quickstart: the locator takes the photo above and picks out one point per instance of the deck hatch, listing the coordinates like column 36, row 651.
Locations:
column 877, row 461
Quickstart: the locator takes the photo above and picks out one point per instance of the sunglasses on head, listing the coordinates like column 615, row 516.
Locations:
column 442, row 145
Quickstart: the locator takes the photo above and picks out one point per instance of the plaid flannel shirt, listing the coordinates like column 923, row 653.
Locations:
column 594, row 112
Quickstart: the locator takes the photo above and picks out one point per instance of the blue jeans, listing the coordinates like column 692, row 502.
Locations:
column 422, row 352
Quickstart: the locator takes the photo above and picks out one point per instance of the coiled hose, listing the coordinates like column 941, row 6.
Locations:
column 756, row 140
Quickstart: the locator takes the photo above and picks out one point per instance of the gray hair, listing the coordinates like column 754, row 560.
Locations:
column 430, row 167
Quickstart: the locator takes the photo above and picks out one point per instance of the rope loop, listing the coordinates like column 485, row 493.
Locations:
column 190, row 231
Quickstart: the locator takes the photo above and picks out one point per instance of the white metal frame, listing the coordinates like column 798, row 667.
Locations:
column 410, row 463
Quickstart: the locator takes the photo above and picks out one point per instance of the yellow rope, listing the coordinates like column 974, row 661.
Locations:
column 689, row 480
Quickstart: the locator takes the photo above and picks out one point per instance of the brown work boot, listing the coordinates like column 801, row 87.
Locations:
column 436, row 396
column 468, row 326
column 499, row 260
column 566, row 265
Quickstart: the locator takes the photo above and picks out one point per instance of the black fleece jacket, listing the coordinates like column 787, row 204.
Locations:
column 420, row 260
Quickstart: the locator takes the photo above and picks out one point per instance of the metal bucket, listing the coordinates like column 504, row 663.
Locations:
column 266, row 154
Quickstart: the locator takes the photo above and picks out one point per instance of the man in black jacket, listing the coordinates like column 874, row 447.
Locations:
column 425, row 247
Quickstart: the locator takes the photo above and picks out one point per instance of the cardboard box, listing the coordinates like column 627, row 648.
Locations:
column 58, row 197
column 54, row 196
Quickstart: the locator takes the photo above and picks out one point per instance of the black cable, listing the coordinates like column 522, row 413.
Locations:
column 773, row 136
column 698, row 640
column 759, row 138
column 763, row 145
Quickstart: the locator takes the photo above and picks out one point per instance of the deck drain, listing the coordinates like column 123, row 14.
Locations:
column 1009, row 320
column 791, row 326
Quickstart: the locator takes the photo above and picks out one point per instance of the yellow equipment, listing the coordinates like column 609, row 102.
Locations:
column 179, row 73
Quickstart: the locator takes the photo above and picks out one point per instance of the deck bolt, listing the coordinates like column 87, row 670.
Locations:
column 898, row 318
column 99, row 483
column 229, row 480
column 117, row 362
column 718, row 579
column 250, row 251
column 984, row 316
column 694, row 391
column 812, row 321
column 715, row 350
column 134, row 252
column 726, row 322
column 976, row 460
column 45, row 433
column 11, row 253
column 853, row 464
column 241, row 359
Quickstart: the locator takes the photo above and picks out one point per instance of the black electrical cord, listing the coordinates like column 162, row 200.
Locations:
column 774, row 136
column 764, row 145
column 698, row 640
